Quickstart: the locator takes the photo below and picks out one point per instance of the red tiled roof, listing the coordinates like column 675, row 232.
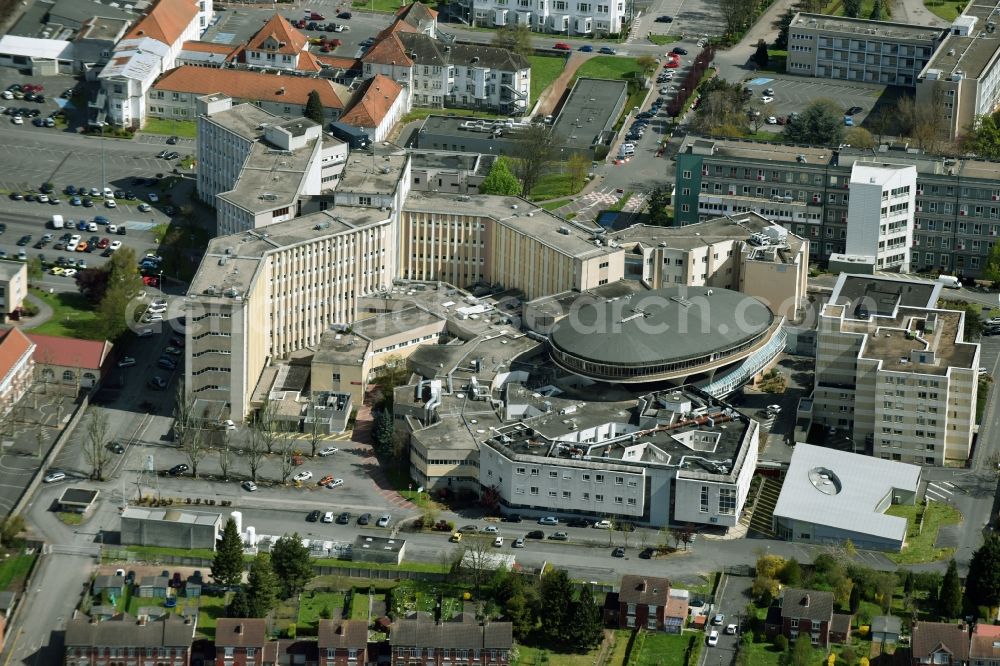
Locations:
column 278, row 36
column 985, row 642
column 676, row 607
column 248, row 85
column 339, row 62
column 370, row 109
column 308, row 63
column 166, row 21
column 417, row 11
column 207, row 47
column 13, row 346
column 70, row 352
column 240, row 632
column 399, row 25
column 388, row 51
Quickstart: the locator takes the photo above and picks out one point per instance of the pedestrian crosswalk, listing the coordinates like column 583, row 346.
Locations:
column 939, row 491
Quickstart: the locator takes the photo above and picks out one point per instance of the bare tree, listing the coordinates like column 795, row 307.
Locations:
column 477, row 559
column 193, row 446
column 254, row 452
column 627, row 528
column 183, row 412
column 95, row 448
column 313, row 424
column 225, row 456
column 287, row 459
column 533, row 151
column 266, row 424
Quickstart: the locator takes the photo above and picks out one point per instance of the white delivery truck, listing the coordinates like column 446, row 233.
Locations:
column 950, row 281
column 57, row 222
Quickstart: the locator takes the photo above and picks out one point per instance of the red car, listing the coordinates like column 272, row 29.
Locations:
column 150, row 281
column 562, row 46
column 103, row 243
column 316, row 16
column 32, row 87
column 301, row 24
column 673, row 64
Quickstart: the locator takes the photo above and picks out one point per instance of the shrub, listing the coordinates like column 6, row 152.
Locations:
column 780, row 643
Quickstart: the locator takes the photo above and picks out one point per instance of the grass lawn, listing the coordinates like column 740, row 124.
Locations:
column 405, row 566
column 184, row 128
column 920, row 546
column 552, row 205
column 660, row 649
column 533, row 656
column 836, row 8
column 70, row 517
column 210, row 609
column 419, row 114
column 607, row 67
column 763, row 654
column 72, row 317
column 776, row 59
column 663, row 40
column 764, row 135
column 153, row 553
column 378, row 5
column 14, row 570
column 555, row 183
column 949, row 11
column 544, row 70
column 617, row 655
column 311, row 606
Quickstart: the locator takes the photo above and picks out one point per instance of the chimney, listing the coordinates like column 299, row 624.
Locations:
column 805, row 601
column 142, row 620
column 642, row 586
column 340, row 629
column 239, row 628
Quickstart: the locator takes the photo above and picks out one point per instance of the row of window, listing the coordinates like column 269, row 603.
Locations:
column 568, row 495
column 568, row 475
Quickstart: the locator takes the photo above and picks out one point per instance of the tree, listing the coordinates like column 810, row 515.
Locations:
column 761, row 56
column 737, row 15
column 950, row 598
column 791, row 573
column 578, row 167
column 880, row 122
column 10, row 530
column 983, row 138
column 982, row 584
column 533, row 150
column 500, row 180
column 254, row 452
column 92, row 283
column 36, row 268
column 783, row 23
column 476, row 558
column 191, row 437
column 239, row 606
column 521, row 616
column 780, row 643
column 314, row 108
column 855, row 599
column 802, row 652
column 585, row 626
column 877, row 11
column 848, row 655
column 266, row 423
column 924, row 122
column 194, row 447
column 225, row 456
column 556, row 594
column 314, row 423
column 658, row 201
column 287, row 456
column 992, row 270
column 382, row 432
column 852, row 8
column 227, row 566
column 262, row 586
column 821, row 123
column 515, row 38
column 96, row 449
column 647, row 64
column 292, row 564
column 859, row 137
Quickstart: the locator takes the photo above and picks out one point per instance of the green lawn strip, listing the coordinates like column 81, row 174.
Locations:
column 763, row 654
column 182, row 128
column 311, row 606
column 154, row 553
column 425, row 567
column 15, row 569
column 663, row 40
column 210, row 609
column 949, row 11
column 529, row 655
column 379, row 5
column 420, row 114
column 72, row 316
column 544, row 70
column 662, row 649
column 607, row 67
column 920, row 545
column 553, row 184
column 552, row 205
column 619, row 649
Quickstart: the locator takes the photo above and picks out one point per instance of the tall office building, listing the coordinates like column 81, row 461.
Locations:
column 880, row 214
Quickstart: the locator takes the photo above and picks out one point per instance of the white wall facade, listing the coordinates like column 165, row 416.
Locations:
column 880, row 214
column 573, row 17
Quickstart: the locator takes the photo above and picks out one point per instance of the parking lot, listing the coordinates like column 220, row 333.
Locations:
column 793, row 94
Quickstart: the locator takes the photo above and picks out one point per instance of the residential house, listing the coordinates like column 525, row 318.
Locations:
column 940, row 644
column 125, row 639
column 454, row 75
column 420, row 17
column 155, row 587
column 16, row 367
column 840, row 627
column 175, row 95
column 240, row 641
column 70, row 362
column 985, row 648
column 285, row 652
column 378, row 107
column 278, row 45
column 886, row 629
column 642, row 602
column 13, row 287
column 343, row 642
column 806, row 611
column 676, row 612
column 462, row 640
column 150, row 48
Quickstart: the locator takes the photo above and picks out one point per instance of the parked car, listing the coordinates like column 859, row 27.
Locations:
column 249, row 486
column 535, row 534
column 303, row 476
column 548, row 520
column 364, row 518
column 518, row 543
column 178, row 469
column 562, row 46
column 586, row 48
column 664, row 19
column 677, row 50
column 607, row 50
column 713, row 638
column 313, row 516
column 328, row 451
column 344, row 518
column 52, row 477
column 383, row 520
column 560, row 536
column 328, row 517
column 618, row 552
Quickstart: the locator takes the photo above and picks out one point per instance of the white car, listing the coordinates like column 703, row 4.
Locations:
column 491, row 529
column 74, row 239
column 109, row 193
column 126, row 362
column 731, row 629
column 328, row 451
column 983, row 371
column 249, row 486
column 114, row 245
column 384, row 520
column 17, row 120
column 328, row 517
column 228, row 425
column 52, row 477
column 548, row 520
column 774, row 409
column 145, row 207
column 498, row 542
column 603, row 525
column 335, row 483
column 153, row 197
column 771, row 120
column 766, row 99
column 69, row 272
column 303, row 476
column 713, row 638
column 110, row 203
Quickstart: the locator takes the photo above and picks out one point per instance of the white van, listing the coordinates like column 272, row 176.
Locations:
column 950, row 281
column 57, row 222
column 627, row 149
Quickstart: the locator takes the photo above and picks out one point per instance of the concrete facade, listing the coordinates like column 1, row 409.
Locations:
column 880, row 214
column 173, row 528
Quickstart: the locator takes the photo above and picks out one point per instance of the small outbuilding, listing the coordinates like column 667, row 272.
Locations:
column 153, row 587
column 77, row 500
column 886, row 629
column 111, row 584
column 172, row 528
column 378, row 549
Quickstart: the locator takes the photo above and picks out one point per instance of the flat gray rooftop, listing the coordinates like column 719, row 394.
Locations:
column 270, row 178
column 9, row 269
column 591, row 108
column 244, row 120
column 364, row 174
column 970, row 54
column 882, row 295
column 439, row 159
column 862, row 28
column 733, row 227
column 172, row 515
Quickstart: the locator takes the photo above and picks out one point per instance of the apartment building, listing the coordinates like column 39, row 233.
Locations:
column 568, row 17
column 279, row 46
column 807, row 190
column 13, row 287
column 462, row 640
column 880, row 214
column 124, row 638
column 443, row 74
column 852, row 49
column 895, row 371
column 16, row 367
column 962, row 79
column 256, row 168
column 746, row 253
column 149, row 49
column 465, row 239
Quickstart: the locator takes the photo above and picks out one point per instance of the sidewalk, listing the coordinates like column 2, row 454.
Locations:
column 550, row 97
column 45, row 313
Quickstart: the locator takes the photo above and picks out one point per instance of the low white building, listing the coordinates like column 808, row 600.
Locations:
column 44, row 57
column 569, row 17
column 378, row 107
